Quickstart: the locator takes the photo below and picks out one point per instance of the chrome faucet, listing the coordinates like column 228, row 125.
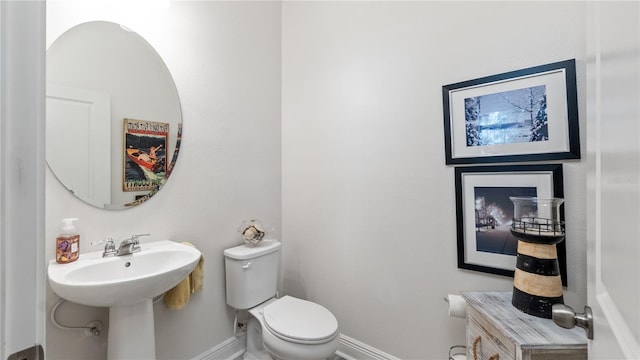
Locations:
column 109, row 247
column 130, row 245
column 127, row 246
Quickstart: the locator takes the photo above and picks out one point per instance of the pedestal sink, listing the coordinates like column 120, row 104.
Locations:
column 127, row 285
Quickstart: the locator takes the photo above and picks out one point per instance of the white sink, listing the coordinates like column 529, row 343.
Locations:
column 126, row 284
column 121, row 280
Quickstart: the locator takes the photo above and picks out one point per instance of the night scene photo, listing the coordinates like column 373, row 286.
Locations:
column 493, row 216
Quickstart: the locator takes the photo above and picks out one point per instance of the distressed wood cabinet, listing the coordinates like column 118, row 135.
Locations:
column 498, row 331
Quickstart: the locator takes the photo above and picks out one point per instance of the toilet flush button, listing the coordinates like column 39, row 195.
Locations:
column 247, row 265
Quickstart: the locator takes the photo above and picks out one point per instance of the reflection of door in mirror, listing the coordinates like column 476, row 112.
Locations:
column 83, row 164
column 98, row 63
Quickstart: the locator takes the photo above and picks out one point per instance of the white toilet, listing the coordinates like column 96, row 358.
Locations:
column 287, row 328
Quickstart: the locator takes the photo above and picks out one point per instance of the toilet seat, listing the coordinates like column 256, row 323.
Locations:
column 300, row 321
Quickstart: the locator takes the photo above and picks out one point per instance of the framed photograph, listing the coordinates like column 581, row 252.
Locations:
column 145, row 165
column 484, row 213
column 523, row 115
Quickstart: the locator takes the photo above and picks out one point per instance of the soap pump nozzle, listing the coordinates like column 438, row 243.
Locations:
column 68, row 226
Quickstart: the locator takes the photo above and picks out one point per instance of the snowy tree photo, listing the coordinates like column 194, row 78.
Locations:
column 514, row 116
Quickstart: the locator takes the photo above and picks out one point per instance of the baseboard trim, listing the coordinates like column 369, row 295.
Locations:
column 230, row 349
column 352, row 349
column 348, row 349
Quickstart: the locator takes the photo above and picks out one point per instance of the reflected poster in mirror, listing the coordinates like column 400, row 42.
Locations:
column 145, row 164
column 175, row 151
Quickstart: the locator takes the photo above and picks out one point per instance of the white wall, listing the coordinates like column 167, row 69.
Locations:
column 225, row 59
column 368, row 203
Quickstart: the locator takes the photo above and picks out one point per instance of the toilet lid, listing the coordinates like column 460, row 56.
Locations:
column 300, row 320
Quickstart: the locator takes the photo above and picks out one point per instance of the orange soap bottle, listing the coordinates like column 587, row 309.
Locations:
column 68, row 243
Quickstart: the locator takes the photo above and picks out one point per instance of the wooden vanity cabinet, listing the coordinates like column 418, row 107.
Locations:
column 499, row 331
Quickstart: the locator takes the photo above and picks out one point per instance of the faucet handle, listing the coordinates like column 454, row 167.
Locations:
column 107, row 240
column 135, row 237
column 109, row 247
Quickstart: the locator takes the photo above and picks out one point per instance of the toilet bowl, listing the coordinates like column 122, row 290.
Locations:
column 292, row 329
column 284, row 328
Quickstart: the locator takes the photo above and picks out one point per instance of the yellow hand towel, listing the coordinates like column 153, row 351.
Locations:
column 197, row 276
column 179, row 296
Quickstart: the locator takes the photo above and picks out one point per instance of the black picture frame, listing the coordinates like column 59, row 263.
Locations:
column 523, row 115
column 480, row 250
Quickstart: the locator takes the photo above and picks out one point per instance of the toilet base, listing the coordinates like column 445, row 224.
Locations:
column 255, row 348
column 248, row 356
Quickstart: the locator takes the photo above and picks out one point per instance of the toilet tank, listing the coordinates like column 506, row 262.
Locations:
column 251, row 273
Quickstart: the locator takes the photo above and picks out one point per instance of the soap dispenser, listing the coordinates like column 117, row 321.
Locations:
column 68, row 242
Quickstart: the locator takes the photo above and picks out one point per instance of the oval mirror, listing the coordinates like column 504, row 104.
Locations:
column 114, row 122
